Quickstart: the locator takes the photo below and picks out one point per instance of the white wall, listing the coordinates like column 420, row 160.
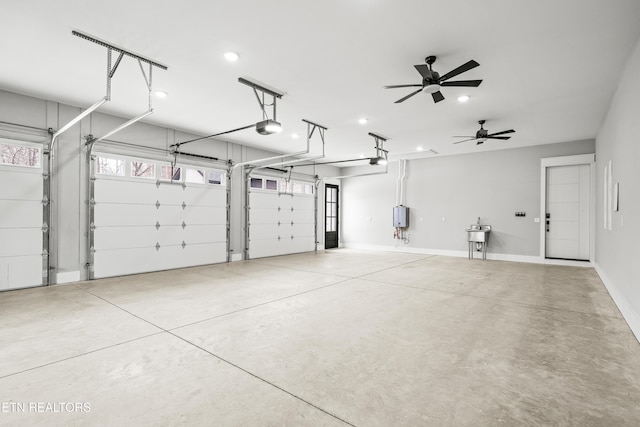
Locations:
column 70, row 192
column 618, row 249
column 446, row 194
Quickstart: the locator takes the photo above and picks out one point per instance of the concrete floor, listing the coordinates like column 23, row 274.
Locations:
column 331, row 338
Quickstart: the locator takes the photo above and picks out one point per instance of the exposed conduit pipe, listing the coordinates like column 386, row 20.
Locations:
column 402, row 180
column 398, row 184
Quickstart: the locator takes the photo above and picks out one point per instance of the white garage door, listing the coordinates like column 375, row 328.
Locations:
column 151, row 216
column 281, row 217
column 21, row 213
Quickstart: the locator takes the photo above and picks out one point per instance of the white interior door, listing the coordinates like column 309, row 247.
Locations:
column 21, row 209
column 568, row 207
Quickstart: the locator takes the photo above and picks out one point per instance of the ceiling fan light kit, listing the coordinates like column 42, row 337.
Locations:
column 432, row 81
column 431, row 88
column 482, row 135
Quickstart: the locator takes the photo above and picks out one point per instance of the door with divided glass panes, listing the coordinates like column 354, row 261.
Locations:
column 331, row 216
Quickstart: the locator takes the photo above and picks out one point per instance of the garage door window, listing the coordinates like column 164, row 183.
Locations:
column 19, row 155
column 272, row 184
column 216, row 178
column 109, row 166
column 256, row 182
column 143, row 170
column 170, row 173
column 194, row 176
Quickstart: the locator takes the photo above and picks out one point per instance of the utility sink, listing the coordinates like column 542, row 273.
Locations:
column 478, row 233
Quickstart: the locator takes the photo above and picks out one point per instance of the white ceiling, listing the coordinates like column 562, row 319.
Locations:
column 550, row 67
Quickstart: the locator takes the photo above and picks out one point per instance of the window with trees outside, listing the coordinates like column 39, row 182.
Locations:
column 19, row 155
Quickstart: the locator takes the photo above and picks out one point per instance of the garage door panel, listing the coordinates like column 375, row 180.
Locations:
column 264, row 200
column 170, row 214
column 301, row 245
column 134, row 208
column 124, row 191
column 118, row 262
column 24, row 185
column 303, row 215
column 168, row 191
column 272, row 215
column 116, row 214
column 19, row 213
column 124, row 237
column 20, row 271
column 20, row 241
column 300, row 230
column 303, row 202
column 170, row 235
column 266, row 248
column 21, row 219
column 202, row 254
column 206, row 215
column 205, row 234
column 297, row 217
column 263, row 215
column 205, row 196
column 265, row 231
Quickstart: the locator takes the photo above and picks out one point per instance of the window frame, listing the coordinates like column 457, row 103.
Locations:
column 23, row 144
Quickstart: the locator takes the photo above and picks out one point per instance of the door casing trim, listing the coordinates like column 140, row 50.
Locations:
column 580, row 159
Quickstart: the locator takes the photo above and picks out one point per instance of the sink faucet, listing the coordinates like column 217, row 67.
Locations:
column 478, row 220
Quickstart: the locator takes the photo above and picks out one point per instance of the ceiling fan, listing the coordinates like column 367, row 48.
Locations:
column 432, row 81
column 482, row 135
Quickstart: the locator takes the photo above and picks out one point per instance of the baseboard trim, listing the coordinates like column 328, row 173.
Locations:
column 236, row 257
column 67, row 277
column 630, row 316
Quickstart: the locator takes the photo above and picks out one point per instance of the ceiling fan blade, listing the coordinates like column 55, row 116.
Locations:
column 464, row 140
column 424, row 70
column 463, row 83
column 437, row 96
column 461, row 69
column 498, row 137
column 407, row 97
column 397, row 86
column 502, row 133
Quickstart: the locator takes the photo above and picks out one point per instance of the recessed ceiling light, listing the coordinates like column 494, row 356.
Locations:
column 231, row 56
column 295, row 136
column 463, row 98
column 420, row 148
column 361, row 156
column 161, row 94
column 363, row 121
